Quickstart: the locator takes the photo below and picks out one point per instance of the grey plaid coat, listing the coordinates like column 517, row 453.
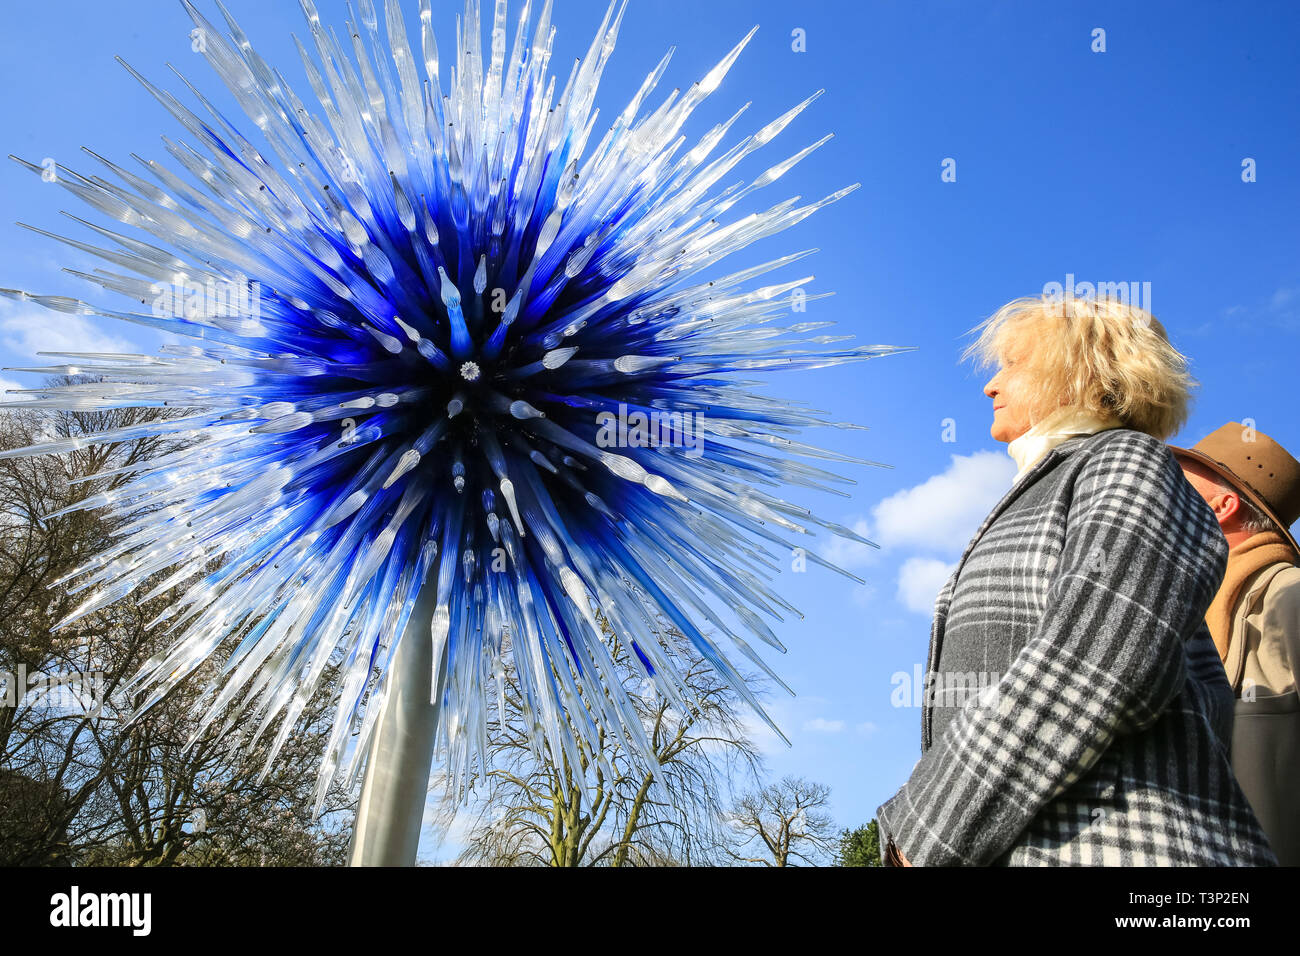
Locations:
column 1103, row 738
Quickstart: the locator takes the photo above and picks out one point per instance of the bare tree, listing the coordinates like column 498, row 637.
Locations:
column 75, row 784
column 530, row 812
column 782, row 823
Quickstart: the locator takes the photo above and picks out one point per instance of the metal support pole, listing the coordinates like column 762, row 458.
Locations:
column 387, row 831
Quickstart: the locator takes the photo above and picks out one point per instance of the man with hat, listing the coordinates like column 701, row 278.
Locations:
column 1252, row 484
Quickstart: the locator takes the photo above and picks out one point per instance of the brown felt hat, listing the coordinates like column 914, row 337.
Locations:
column 1257, row 466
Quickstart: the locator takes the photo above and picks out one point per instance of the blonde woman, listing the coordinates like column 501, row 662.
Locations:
column 1101, row 739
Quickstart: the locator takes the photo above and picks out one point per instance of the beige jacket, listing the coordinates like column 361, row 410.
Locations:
column 1263, row 656
column 1265, row 623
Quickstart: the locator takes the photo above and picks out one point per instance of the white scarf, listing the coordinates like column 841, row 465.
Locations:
column 1030, row 447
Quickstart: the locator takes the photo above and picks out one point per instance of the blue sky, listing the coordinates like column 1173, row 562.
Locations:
column 1123, row 165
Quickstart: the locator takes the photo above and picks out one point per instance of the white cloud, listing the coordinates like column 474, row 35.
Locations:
column 919, row 583
column 792, row 715
column 1283, row 297
column 866, row 728
column 820, row 725
column 27, row 331
column 944, row 511
column 6, row 384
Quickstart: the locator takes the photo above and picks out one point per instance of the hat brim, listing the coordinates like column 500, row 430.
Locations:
column 1240, row 484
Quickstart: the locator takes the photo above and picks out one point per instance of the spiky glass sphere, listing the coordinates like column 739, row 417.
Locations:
column 469, row 351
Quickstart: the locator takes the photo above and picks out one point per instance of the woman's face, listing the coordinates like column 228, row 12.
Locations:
column 1007, row 388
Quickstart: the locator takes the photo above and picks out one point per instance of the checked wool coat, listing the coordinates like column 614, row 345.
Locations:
column 1103, row 739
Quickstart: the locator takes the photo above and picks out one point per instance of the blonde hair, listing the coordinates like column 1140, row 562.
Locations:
column 1099, row 354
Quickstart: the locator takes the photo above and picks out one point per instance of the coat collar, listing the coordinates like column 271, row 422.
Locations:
column 1022, row 484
